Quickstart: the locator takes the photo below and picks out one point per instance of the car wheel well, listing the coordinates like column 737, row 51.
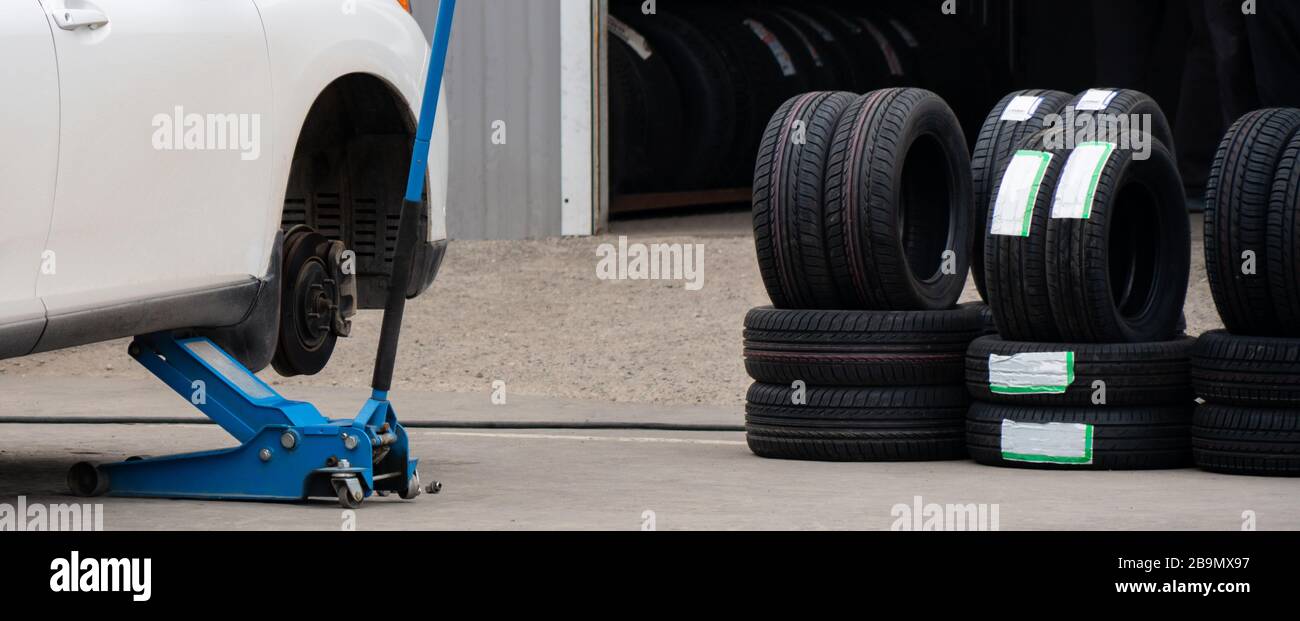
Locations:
column 349, row 172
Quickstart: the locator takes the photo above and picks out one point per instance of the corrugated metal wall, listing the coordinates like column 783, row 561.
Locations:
column 504, row 65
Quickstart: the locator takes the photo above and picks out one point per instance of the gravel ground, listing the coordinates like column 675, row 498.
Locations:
column 535, row 315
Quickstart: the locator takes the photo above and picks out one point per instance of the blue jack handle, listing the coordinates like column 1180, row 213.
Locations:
column 408, row 231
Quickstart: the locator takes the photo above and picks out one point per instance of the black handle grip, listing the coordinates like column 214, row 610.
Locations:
column 408, row 235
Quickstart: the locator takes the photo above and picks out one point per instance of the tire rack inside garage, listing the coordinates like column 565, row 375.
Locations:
column 692, row 86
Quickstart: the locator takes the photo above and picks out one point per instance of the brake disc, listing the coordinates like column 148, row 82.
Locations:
column 317, row 300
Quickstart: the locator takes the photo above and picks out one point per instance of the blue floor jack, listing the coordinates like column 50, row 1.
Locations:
column 288, row 450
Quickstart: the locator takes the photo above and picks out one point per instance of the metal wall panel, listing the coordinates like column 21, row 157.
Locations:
column 504, row 65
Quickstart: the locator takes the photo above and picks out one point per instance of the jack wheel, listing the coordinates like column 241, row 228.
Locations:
column 87, row 481
column 309, row 299
column 413, row 488
column 349, row 493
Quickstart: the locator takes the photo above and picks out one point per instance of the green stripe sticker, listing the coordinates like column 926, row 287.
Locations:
column 1050, row 443
column 1078, row 186
column 1013, row 212
column 1037, row 373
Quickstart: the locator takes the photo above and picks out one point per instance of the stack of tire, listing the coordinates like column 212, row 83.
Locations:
column 1086, row 255
column 693, row 85
column 862, row 212
column 1249, row 374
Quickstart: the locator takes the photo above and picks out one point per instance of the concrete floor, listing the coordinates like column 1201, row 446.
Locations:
column 602, row 480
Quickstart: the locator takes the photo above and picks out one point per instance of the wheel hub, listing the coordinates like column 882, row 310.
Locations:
column 317, row 301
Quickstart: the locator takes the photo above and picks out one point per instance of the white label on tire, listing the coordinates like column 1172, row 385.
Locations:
column 1051, row 443
column 1078, row 185
column 1096, row 99
column 631, row 37
column 1022, row 108
column 1038, row 373
column 1013, row 213
column 774, row 45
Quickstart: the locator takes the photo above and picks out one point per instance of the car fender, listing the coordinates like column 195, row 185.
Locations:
column 311, row 44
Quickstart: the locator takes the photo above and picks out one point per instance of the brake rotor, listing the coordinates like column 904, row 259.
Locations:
column 313, row 296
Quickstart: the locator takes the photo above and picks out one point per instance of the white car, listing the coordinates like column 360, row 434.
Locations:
column 231, row 167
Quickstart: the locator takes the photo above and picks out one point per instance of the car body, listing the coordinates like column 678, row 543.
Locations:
column 156, row 150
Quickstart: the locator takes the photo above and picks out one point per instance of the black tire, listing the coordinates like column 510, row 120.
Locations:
column 648, row 128
column 627, row 120
column 907, row 42
column 762, row 83
column 1134, row 374
column 898, row 199
column 1256, row 442
column 1283, row 239
column 952, row 59
column 1015, row 265
column 856, row 424
column 803, row 48
column 1255, row 371
column 708, row 96
column 1120, row 276
column 859, row 348
column 1142, row 438
column 997, row 142
column 788, row 205
column 837, row 57
column 1128, row 102
column 872, row 66
column 986, row 318
column 900, row 59
column 1236, row 212
column 779, row 46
